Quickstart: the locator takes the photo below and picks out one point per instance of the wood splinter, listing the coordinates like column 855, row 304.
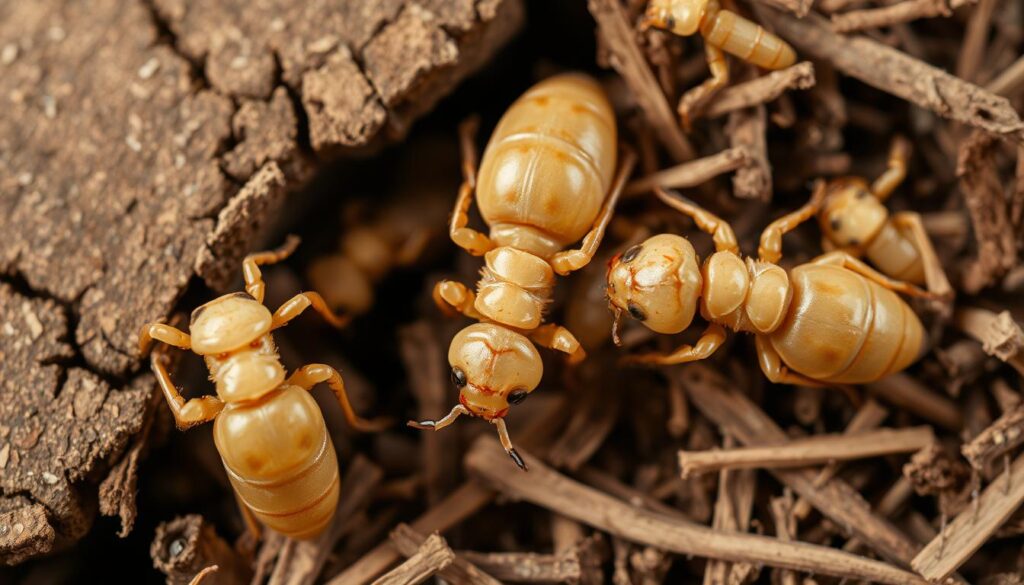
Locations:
column 999, row 334
column 460, row 572
column 761, row 90
column 690, row 174
column 814, row 450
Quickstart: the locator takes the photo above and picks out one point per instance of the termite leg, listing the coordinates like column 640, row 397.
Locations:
column 186, row 414
column 934, row 276
column 251, row 524
column 773, row 368
column 721, row 232
column 506, row 442
column 569, row 260
column 308, row 376
column 770, row 248
column 694, row 100
column 887, row 182
column 839, row 258
column 165, row 333
column 559, row 338
column 251, row 266
column 201, row 575
column 467, row 238
column 294, row 307
column 709, row 342
column 454, row 297
column 436, row 425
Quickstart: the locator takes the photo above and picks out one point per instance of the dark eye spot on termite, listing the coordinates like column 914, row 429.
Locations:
column 636, row 312
column 854, row 242
column 862, row 194
column 670, row 22
column 458, row 377
column 517, row 396
column 632, row 253
column 836, row 224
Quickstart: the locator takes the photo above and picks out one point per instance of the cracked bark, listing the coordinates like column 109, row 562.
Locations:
column 144, row 142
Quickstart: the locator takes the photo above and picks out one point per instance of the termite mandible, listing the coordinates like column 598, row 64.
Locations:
column 547, row 179
column 269, row 431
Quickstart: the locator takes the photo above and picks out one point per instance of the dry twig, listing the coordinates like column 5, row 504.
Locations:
column 901, row 75
column 746, row 129
column 432, row 557
column 813, row 450
column 902, row 391
column 691, row 174
column 1001, row 437
column 973, row 526
column 999, row 334
column 545, row 487
column 900, row 12
column 460, row 572
column 528, row 567
column 761, row 90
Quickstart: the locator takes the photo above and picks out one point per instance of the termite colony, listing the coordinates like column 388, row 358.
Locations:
column 618, row 226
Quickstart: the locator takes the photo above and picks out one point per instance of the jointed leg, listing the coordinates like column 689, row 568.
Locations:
column 558, row 338
column 839, row 258
column 770, row 249
column 308, row 376
column 251, row 266
column 294, row 307
column 709, row 342
column 453, row 297
column 467, row 238
column 775, row 370
column 506, row 442
column 251, row 524
column 186, row 414
column 165, row 333
column 887, row 182
column 436, row 425
column 934, row 275
column 569, row 260
column 721, row 232
column 698, row 96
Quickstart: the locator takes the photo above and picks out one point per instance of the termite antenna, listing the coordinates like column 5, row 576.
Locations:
column 436, row 425
column 616, row 322
column 506, row 442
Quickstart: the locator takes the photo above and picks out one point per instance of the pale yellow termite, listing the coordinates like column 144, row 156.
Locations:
column 269, row 431
column 854, row 219
column 723, row 30
column 834, row 320
column 547, row 180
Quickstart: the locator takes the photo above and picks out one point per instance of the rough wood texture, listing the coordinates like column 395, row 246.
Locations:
column 185, row 546
column 143, row 143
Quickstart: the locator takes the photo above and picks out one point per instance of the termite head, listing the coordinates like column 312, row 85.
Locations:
column 232, row 333
column 657, row 283
column 851, row 215
column 681, row 17
column 492, row 368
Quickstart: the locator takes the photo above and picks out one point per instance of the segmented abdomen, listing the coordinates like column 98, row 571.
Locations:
column 281, row 461
column 846, row 329
column 551, row 159
column 738, row 36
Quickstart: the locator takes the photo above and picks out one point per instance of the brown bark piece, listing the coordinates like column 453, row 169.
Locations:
column 414, row 53
column 239, row 225
column 59, row 424
column 746, row 129
column 24, row 533
column 143, row 142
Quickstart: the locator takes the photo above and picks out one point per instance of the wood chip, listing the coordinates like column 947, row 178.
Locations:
column 1000, row 335
column 185, row 546
column 462, row 571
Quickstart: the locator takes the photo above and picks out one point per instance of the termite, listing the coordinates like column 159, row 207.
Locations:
column 723, row 30
column 834, row 320
column 855, row 220
column 547, row 179
column 268, row 430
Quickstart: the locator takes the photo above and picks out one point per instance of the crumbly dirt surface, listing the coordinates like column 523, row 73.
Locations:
column 145, row 142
